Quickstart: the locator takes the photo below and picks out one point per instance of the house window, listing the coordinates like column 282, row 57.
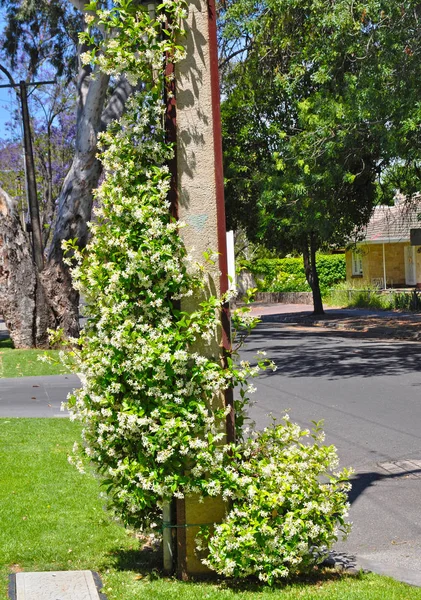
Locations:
column 357, row 264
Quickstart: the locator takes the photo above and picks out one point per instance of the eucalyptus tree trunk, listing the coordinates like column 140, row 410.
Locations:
column 309, row 256
column 32, row 302
column 76, row 198
column 23, row 303
column 75, row 201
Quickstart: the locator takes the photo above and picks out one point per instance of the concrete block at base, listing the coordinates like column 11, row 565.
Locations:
column 56, row 585
column 212, row 510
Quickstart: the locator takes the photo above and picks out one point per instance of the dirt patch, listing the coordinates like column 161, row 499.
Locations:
column 393, row 325
column 402, row 328
column 396, row 327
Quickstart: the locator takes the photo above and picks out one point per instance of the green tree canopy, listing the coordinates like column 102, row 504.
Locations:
column 321, row 115
column 38, row 32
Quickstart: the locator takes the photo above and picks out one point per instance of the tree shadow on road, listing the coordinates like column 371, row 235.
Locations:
column 362, row 481
column 335, row 355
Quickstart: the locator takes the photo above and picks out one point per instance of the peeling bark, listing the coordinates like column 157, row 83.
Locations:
column 74, row 212
column 76, row 198
column 23, row 303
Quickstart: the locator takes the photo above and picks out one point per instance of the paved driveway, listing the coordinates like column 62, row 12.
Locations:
column 368, row 393
column 35, row 396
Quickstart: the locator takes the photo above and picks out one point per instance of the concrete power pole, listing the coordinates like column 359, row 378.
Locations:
column 200, row 203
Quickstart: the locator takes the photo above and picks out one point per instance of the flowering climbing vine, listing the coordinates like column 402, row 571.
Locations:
column 151, row 402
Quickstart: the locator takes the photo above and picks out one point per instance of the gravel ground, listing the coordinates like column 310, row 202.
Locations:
column 368, row 323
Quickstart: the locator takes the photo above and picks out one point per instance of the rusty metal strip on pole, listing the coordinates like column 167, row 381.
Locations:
column 171, row 133
column 220, row 204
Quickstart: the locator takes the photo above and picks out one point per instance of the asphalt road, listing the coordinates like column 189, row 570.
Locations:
column 369, row 395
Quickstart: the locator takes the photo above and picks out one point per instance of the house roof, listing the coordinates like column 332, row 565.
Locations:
column 393, row 223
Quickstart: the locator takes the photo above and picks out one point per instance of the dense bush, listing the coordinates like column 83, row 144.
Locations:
column 289, row 282
column 150, row 402
column 287, row 274
column 268, row 268
column 331, row 269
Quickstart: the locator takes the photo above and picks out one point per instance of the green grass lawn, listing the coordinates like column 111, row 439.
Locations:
column 52, row 518
column 23, row 363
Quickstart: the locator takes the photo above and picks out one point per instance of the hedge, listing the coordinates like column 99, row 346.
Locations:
column 287, row 274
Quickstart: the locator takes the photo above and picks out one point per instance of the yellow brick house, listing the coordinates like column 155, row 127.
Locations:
column 385, row 256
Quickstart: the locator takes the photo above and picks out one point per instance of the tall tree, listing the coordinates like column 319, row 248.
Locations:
column 46, row 32
column 320, row 101
column 22, row 300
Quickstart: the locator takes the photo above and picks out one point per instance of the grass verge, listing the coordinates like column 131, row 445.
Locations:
column 52, row 519
column 347, row 296
column 24, row 363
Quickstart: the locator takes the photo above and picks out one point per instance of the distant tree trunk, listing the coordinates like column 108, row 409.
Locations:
column 75, row 201
column 76, row 198
column 309, row 256
column 23, row 304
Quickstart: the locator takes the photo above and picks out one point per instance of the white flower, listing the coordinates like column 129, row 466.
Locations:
column 164, row 455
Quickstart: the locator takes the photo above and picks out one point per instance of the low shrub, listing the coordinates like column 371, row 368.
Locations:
column 405, row 301
column 340, row 295
column 400, row 300
column 357, row 297
column 368, row 299
column 289, row 505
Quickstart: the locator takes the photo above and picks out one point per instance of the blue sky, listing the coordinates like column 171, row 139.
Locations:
column 6, row 106
column 5, row 97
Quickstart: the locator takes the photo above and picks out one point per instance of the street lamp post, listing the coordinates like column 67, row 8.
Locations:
column 31, row 184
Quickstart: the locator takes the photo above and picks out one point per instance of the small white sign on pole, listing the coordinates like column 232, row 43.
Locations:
column 231, row 260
